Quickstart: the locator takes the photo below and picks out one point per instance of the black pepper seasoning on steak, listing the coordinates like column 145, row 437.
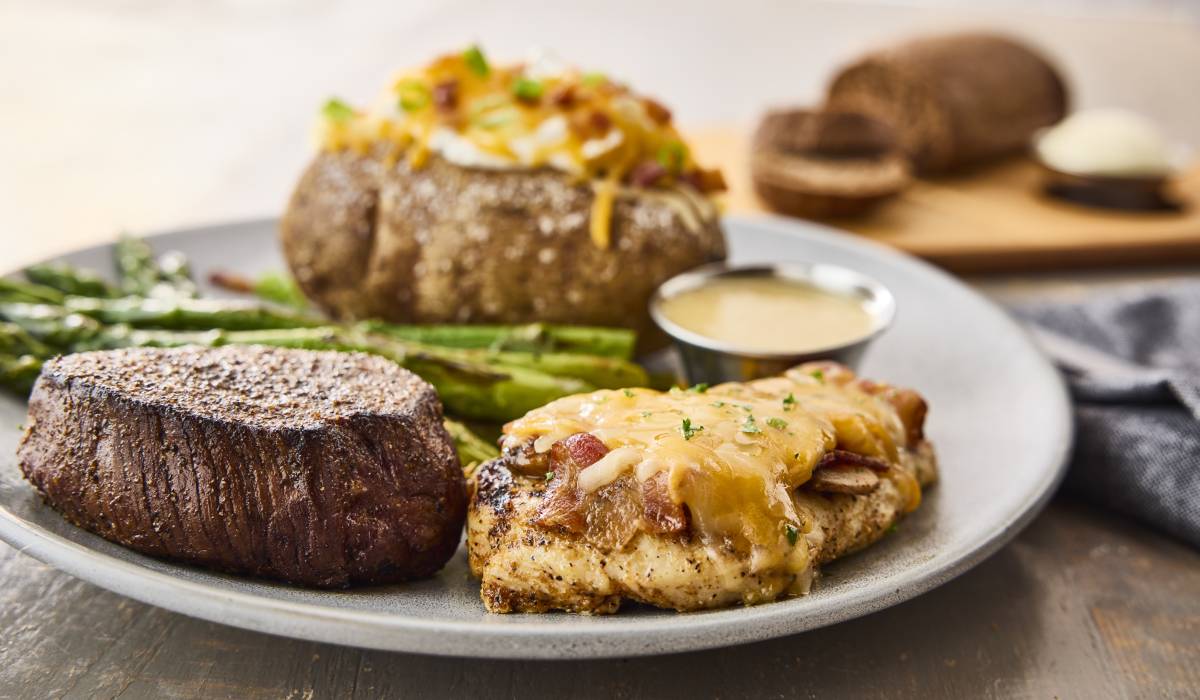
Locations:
column 316, row 468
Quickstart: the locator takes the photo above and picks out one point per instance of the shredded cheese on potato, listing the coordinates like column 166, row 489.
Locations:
column 474, row 114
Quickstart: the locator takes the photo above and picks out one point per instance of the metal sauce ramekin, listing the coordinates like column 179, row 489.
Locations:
column 706, row 360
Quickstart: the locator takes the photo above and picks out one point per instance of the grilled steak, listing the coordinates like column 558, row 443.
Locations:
column 315, row 468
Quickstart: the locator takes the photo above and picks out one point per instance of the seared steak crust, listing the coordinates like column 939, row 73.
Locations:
column 314, row 468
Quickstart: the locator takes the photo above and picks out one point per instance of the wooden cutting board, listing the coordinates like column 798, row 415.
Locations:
column 993, row 220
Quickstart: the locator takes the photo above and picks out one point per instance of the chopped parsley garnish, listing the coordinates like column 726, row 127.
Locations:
column 549, row 476
column 777, row 423
column 698, row 388
column 789, row 401
column 336, row 110
column 528, row 89
column 593, row 79
column 413, row 95
column 746, row 407
column 817, row 374
column 689, row 431
column 646, row 414
column 627, row 393
column 792, row 533
column 717, row 404
column 476, row 61
column 749, row 426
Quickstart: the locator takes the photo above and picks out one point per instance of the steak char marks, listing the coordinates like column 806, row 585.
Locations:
column 315, row 468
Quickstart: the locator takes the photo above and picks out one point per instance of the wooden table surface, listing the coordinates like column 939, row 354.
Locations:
column 147, row 115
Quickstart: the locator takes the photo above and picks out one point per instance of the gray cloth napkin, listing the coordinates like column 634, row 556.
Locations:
column 1132, row 360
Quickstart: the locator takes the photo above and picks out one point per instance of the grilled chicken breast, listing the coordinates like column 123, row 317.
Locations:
column 693, row 499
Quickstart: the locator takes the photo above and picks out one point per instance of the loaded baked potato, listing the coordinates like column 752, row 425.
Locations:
column 474, row 193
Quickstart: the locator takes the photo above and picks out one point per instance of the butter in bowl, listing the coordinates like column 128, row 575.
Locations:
column 736, row 323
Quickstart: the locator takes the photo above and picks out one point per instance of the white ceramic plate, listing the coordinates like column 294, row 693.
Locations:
column 999, row 419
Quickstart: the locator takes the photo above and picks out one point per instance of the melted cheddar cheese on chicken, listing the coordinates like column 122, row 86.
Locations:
column 694, row 499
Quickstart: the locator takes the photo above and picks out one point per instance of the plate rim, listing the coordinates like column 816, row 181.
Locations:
column 541, row 639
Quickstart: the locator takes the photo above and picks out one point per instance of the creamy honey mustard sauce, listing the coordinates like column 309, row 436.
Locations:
column 769, row 314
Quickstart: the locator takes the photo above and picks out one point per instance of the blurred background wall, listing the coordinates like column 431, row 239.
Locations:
column 146, row 115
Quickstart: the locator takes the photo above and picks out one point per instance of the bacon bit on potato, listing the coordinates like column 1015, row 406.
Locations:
column 563, row 96
column 646, row 173
column 656, row 110
column 445, row 95
column 711, row 181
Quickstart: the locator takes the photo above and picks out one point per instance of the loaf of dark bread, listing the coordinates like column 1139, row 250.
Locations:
column 954, row 100
column 822, row 165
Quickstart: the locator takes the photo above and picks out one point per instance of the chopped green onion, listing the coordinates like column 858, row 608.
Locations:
column 749, row 426
column 488, row 103
column 646, row 414
column 593, row 79
column 777, row 423
column 627, row 393
column 818, row 375
column 549, row 476
column 496, row 118
column 414, row 95
column 717, row 404
column 698, row 388
column 476, row 61
column 689, row 431
column 672, row 155
column 336, row 110
column 528, row 89
column 789, row 402
column 793, row 534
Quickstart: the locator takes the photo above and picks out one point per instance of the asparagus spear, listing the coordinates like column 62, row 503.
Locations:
column 70, row 280
column 18, row 372
column 53, row 325
column 174, row 271
column 16, row 341
column 189, row 314
column 142, row 276
column 275, row 287
column 471, row 448
column 532, row 337
column 29, row 292
column 469, row 389
column 601, row 372
column 135, row 266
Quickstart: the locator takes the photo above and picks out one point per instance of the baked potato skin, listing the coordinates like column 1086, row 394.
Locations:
column 444, row 243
